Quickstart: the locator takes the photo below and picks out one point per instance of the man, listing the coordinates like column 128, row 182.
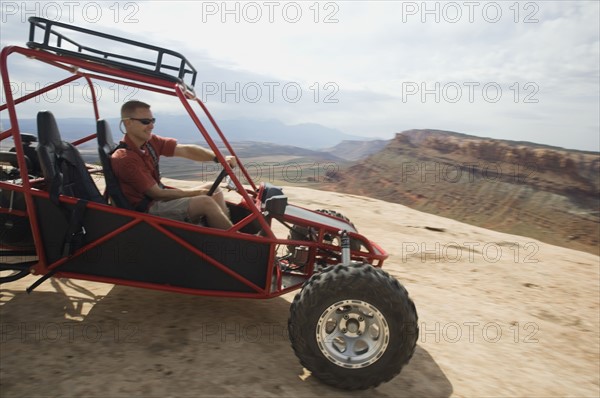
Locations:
column 136, row 168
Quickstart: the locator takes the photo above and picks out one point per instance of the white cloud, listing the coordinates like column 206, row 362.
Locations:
column 373, row 51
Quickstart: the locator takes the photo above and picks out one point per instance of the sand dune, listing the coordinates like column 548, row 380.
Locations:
column 500, row 315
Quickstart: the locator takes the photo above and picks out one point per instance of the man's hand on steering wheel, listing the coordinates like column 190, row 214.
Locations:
column 232, row 161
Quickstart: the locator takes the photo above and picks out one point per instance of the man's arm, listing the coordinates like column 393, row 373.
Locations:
column 157, row 193
column 199, row 154
column 194, row 152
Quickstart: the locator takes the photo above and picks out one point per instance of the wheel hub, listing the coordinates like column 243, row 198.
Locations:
column 352, row 325
column 352, row 334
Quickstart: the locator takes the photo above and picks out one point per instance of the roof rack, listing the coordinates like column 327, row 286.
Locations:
column 141, row 58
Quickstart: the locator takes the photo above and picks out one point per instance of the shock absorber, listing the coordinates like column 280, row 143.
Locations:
column 345, row 243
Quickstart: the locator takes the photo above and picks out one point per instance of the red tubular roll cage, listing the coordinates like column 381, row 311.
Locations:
column 90, row 70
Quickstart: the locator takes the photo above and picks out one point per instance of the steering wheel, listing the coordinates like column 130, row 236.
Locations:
column 218, row 181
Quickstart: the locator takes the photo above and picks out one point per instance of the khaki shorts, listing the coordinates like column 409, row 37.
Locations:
column 175, row 209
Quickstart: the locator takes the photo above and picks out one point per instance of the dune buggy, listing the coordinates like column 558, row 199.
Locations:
column 352, row 325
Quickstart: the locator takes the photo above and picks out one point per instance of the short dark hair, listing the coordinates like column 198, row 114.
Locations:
column 130, row 107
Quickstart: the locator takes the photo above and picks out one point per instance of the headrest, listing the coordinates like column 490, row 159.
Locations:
column 103, row 134
column 48, row 133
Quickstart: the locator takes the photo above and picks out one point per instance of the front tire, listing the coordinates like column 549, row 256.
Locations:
column 353, row 327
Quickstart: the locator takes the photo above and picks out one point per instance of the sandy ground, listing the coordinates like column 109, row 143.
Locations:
column 500, row 315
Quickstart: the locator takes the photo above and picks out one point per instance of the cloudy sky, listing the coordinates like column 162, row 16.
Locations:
column 525, row 70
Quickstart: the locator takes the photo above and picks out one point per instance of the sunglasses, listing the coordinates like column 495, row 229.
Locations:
column 143, row 121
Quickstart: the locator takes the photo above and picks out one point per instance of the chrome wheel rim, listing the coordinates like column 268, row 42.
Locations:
column 352, row 334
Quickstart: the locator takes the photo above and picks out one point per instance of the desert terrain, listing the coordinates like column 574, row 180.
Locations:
column 520, row 188
column 499, row 314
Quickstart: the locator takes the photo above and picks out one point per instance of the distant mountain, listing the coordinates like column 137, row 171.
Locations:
column 70, row 128
column 307, row 135
column 266, row 162
column 355, row 149
column 250, row 149
column 548, row 193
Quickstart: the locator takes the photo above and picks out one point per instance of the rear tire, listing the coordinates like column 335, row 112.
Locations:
column 11, row 272
column 353, row 327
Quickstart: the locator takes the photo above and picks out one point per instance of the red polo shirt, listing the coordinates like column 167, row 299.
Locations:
column 135, row 169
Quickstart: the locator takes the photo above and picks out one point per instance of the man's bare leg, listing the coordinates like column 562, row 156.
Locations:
column 218, row 197
column 205, row 206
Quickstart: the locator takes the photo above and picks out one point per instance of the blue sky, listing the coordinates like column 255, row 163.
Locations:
column 525, row 70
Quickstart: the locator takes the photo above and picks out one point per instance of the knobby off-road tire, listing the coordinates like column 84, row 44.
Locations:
column 10, row 273
column 353, row 327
